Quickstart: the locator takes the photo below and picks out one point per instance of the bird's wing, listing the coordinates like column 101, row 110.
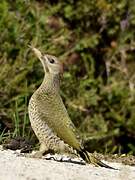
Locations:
column 54, row 113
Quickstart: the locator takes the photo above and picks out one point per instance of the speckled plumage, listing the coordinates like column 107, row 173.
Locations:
column 49, row 118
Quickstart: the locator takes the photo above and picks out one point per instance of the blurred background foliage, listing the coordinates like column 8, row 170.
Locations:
column 95, row 40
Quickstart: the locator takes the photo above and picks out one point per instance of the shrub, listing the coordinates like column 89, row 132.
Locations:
column 95, row 42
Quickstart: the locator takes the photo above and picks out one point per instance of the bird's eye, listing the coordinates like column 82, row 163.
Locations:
column 51, row 61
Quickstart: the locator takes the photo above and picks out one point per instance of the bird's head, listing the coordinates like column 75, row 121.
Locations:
column 50, row 63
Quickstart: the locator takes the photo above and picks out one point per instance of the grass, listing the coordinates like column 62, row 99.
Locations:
column 21, row 123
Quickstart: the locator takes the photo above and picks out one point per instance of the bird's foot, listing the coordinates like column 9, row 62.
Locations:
column 64, row 158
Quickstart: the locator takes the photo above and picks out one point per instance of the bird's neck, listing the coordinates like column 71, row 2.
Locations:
column 51, row 83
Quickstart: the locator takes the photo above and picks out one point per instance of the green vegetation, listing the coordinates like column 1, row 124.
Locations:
column 95, row 40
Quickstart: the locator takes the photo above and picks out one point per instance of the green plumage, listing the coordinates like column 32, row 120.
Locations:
column 53, row 112
column 48, row 115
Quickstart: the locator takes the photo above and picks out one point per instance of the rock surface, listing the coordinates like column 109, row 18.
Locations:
column 14, row 167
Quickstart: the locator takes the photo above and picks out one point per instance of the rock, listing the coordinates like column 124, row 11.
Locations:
column 15, row 167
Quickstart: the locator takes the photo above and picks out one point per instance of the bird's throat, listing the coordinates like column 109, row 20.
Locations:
column 51, row 83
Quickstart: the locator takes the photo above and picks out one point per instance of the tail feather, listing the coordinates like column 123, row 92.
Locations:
column 89, row 158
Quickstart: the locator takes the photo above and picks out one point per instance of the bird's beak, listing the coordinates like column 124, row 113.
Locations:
column 42, row 58
column 37, row 52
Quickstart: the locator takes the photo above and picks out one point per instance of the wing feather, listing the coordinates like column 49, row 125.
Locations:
column 54, row 113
